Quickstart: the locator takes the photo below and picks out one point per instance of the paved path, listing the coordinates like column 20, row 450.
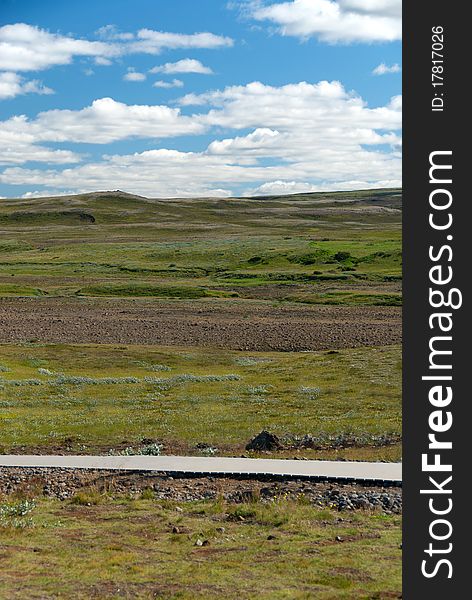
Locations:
column 322, row 469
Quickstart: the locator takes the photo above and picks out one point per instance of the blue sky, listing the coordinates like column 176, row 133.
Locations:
column 317, row 118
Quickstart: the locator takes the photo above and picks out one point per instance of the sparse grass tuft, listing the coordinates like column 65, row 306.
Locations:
column 103, row 399
column 93, row 543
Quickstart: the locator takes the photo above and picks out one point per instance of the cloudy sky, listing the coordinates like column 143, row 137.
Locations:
column 179, row 98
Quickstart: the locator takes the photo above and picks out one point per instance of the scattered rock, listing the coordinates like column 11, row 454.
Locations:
column 264, row 441
column 65, row 483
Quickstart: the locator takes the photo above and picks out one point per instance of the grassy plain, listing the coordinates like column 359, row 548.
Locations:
column 328, row 248
column 92, row 397
column 103, row 547
column 334, row 248
column 331, row 248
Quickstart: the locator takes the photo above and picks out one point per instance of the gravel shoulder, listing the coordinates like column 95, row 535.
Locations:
column 65, row 483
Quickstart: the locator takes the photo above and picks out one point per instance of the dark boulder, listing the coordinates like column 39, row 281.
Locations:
column 264, row 441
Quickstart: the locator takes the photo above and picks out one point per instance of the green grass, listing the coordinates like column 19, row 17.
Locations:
column 12, row 290
column 159, row 291
column 103, row 547
column 102, row 396
column 349, row 298
column 139, row 247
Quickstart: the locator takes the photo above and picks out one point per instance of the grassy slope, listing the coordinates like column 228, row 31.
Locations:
column 118, row 245
column 347, row 392
column 330, row 248
column 126, row 548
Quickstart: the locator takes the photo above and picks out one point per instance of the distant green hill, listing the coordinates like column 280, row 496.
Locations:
column 334, row 248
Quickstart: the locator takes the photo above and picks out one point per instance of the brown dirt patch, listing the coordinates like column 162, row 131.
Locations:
column 236, row 325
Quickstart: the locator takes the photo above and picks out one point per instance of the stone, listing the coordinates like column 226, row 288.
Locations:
column 264, row 441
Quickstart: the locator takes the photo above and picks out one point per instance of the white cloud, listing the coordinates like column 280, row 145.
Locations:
column 153, row 42
column 27, row 48
column 341, row 21
column 186, row 65
column 159, row 173
column 46, row 193
column 133, row 75
column 301, row 108
column 256, row 142
column 102, row 61
column 383, row 69
column 18, row 146
column 383, row 8
column 175, row 83
column 170, row 173
column 12, row 84
column 288, row 137
column 322, row 110
column 281, row 187
column 396, row 103
column 299, row 187
column 105, row 120
column 110, row 32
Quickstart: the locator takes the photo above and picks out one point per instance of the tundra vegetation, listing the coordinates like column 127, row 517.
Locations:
column 99, row 398
column 339, row 248
column 310, row 254
column 330, row 248
column 104, row 546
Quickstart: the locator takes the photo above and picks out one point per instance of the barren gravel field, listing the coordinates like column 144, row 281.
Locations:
column 225, row 324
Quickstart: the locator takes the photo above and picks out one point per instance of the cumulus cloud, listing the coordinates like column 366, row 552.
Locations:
column 175, row 83
column 315, row 108
column 133, row 75
column 341, row 21
column 111, row 32
column 296, row 137
column 170, row 173
column 102, row 61
column 159, row 173
column 383, row 8
column 395, row 103
column 186, row 65
column 322, row 110
column 25, row 47
column 153, row 42
column 104, row 121
column 18, row 146
column 12, row 84
column 47, row 193
column 281, row 187
column 383, row 69
column 299, row 187
column 256, row 142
